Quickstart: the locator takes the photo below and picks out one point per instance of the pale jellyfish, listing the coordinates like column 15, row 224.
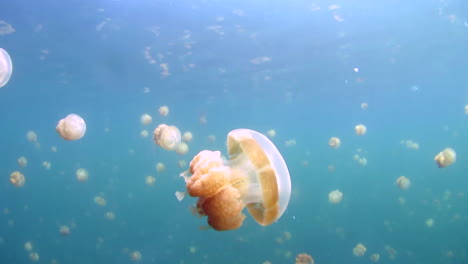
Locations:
column 144, row 133
column 375, row 257
column 150, row 180
column 466, row 109
column 22, row 161
column 335, row 196
column 364, row 106
column 31, row 136
column 271, row 133
column 6, row 67
column 146, row 119
column 47, row 165
column 360, row 129
column 181, row 163
column 334, row 142
column 445, row 157
column 135, row 256
column 403, row 183
column 163, row 110
column 429, row 222
column 167, row 136
column 17, row 179
column 187, row 136
column 82, row 175
column 28, row 246
column 110, row 216
column 359, row 250
column 34, row 256
column 99, row 200
column 72, row 127
column 64, row 230
column 160, row 167
column 181, row 148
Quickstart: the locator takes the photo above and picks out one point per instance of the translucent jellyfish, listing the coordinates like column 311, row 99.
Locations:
column 144, row 133
column 99, row 200
column 335, row 196
column 22, row 161
column 163, row 110
column 211, row 138
column 47, row 165
column 182, row 148
column 466, row 109
column 429, row 222
column 135, row 255
column 364, row 106
column 150, row 180
column 290, row 142
column 28, row 246
column 271, row 133
column 181, row 163
column 304, row 259
column 34, row 256
column 334, row 142
column 146, row 119
column 403, row 183
column 360, row 129
column 17, row 179
column 187, row 136
column 64, row 230
column 359, row 250
column 82, row 174
column 6, row 67
column 375, row 257
column 31, row 136
column 160, row 167
column 255, row 176
column 72, row 127
column 110, row 216
column 167, row 136
column 445, row 157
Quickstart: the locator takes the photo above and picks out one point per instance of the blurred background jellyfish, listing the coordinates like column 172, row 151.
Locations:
column 375, row 257
column 187, row 136
column 360, row 129
column 334, row 142
column 72, row 127
column 403, row 183
column 167, row 136
column 359, row 250
column 163, row 110
column 64, row 230
column 445, row 157
column 6, row 67
column 255, row 176
column 182, row 148
column 146, row 119
column 335, row 196
column 17, row 179
column 304, row 259
column 82, row 174
column 22, row 161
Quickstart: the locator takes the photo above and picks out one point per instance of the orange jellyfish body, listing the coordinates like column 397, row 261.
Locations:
column 255, row 176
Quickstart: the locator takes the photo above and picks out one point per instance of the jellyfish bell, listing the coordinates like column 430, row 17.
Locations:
column 6, row 67
column 335, row 196
column 445, row 157
column 360, row 129
column 334, row 142
column 255, row 176
column 403, row 183
column 17, row 179
column 167, row 136
column 72, row 127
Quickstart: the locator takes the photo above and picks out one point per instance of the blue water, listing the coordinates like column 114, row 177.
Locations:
column 406, row 59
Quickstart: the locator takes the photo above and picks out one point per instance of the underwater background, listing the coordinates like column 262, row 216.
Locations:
column 300, row 68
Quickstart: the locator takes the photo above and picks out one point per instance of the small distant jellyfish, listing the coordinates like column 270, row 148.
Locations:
column 167, row 136
column 181, row 148
column 64, row 230
column 47, row 165
column 146, row 119
column 271, row 133
column 6, row 67
column 28, row 246
column 17, row 179
column 31, row 136
column 445, row 157
column 290, row 142
column 34, row 256
column 360, row 129
column 375, row 257
column 82, row 174
column 22, row 161
column 335, row 196
column 160, row 167
column 403, row 183
column 110, row 216
column 144, row 133
column 150, row 180
column 99, row 200
column 364, row 106
column 359, row 250
column 181, row 163
column 466, row 109
column 429, row 222
column 187, row 136
column 72, row 127
column 135, row 255
column 211, row 138
column 362, row 161
column 304, row 259
column 334, row 142
column 163, row 110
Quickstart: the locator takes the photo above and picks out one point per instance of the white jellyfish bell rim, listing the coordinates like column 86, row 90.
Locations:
column 6, row 67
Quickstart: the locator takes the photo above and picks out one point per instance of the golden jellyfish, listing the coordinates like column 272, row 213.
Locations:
column 6, row 67
column 17, row 179
column 22, row 161
column 335, row 196
column 163, row 110
column 28, row 246
column 403, row 183
column 135, row 255
column 72, row 127
column 334, row 142
column 304, row 259
column 110, row 216
column 99, row 200
column 166, row 136
column 160, row 167
column 445, row 157
column 360, row 129
column 31, row 136
column 187, row 136
column 255, row 176
column 429, row 222
column 82, row 174
column 182, row 148
column 144, row 133
column 34, row 256
column 375, row 257
column 359, row 250
column 146, row 119
column 150, row 180
column 64, row 230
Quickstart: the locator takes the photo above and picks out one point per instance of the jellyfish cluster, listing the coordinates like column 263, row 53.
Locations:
column 255, row 177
